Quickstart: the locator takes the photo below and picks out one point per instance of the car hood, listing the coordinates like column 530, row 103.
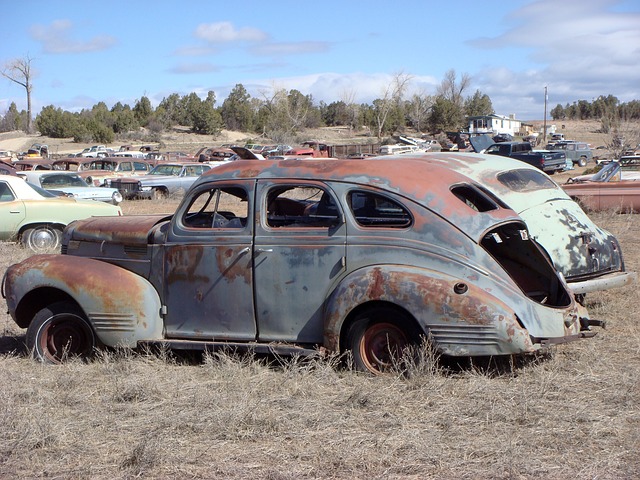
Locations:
column 128, row 230
column 481, row 142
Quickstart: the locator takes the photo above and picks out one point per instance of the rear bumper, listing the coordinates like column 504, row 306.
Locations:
column 605, row 282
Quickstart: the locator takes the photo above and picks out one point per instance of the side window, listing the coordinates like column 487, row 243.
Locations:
column 301, row 206
column 140, row 167
column 373, row 210
column 217, row 208
column 5, row 193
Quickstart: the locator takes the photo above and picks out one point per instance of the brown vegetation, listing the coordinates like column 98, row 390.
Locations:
column 572, row 414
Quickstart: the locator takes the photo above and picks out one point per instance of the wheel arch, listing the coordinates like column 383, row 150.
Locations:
column 28, row 226
column 409, row 322
column 122, row 307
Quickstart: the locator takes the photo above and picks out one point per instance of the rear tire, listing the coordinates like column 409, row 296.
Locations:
column 58, row 332
column 378, row 340
column 582, row 162
column 42, row 238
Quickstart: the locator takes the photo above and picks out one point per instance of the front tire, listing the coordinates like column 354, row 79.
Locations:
column 58, row 332
column 43, row 238
column 378, row 340
column 582, row 162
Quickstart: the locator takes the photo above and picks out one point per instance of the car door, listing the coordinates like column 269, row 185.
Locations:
column 12, row 212
column 208, row 276
column 299, row 253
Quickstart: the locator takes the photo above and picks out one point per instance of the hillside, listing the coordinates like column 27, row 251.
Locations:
column 181, row 139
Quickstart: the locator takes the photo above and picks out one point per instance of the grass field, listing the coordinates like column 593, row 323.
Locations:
column 572, row 414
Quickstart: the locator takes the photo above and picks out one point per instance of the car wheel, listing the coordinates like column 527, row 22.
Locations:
column 58, row 332
column 582, row 162
column 42, row 238
column 160, row 194
column 378, row 341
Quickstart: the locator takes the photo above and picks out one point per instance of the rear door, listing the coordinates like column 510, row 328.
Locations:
column 299, row 253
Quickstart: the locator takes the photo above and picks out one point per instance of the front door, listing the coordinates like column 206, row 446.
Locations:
column 208, row 290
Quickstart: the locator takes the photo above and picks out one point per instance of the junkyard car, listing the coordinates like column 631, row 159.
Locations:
column 289, row 256
column 589, row 257
column 72, row 184
column 612, row 188
column 97, row 171
column 163, row 180
column 37, row 217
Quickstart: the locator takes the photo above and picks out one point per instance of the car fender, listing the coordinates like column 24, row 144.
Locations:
column 459, row 317
column 122, row 307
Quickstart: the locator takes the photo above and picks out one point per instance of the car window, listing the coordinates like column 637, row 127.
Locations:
column 58, row 181
column 217, row 208
column 374, row 210
column 523, row 180
column 140, row 167
column 6, row 195
column 301, row 206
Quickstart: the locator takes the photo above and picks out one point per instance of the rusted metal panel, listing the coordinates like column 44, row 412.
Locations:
column 122, row 307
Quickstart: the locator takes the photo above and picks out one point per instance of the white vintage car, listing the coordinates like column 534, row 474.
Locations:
column 71, row 184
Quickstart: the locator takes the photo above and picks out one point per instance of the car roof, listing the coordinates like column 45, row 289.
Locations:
column 407, row 175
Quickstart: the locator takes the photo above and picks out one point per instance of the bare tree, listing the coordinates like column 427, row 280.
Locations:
column 452, row 90
column 623, row 137
column 418, row 109
column 391, row 97
column 349, row 98
column 19, row 71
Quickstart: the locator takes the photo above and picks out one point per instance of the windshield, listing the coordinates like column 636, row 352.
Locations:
column 166, row 170
column 41, row 191
column 52, row 182
column 523, row 180
column 606, row 173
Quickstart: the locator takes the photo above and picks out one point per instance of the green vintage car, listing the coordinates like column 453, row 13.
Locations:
column 36, row 217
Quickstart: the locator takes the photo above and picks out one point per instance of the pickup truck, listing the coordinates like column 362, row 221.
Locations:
column 549, row 162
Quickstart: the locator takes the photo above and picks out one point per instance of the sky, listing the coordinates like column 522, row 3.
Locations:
column 85, row 52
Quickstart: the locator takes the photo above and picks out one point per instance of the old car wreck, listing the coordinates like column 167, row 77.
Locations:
column 369, row 256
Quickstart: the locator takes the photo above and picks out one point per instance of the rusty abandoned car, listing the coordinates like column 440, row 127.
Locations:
column 368, row 256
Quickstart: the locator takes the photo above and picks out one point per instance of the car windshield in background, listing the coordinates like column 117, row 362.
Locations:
column 606, row 173
column 166, row 170
column 525, row 180
column 61, row 181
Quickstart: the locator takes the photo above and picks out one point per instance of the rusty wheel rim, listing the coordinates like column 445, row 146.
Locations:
column 66, row 336
column 382, row 346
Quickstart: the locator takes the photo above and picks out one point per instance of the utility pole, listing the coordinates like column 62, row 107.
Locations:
column 544, row 128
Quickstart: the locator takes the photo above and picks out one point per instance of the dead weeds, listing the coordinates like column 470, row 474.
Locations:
column 572, row 414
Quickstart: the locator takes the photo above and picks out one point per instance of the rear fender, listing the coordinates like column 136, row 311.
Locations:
column 460, row 317
column 123, row 307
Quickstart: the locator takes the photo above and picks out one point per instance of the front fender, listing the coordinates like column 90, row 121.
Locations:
column 460, row 317
column 122, row 307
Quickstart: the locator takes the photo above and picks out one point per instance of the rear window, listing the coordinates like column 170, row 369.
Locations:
column 523, row 180
column 373, row 210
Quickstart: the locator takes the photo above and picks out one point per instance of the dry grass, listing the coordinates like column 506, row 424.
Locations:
column 573, row 414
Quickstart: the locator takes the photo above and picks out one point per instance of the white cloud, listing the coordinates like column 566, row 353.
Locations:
column 225, row 32
column 289, row 48
column 55, row 39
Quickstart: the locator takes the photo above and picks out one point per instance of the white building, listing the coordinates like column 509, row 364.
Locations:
column 494, row 124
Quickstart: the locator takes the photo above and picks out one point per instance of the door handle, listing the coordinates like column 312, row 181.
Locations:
column 261, row 250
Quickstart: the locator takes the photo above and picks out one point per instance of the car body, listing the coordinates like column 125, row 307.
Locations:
column 163, row 180
column 549, row 162
column 589, row 257
column 7, row 168
column 367, row 256
column 612, row 188
column 27, row 164
column 72, row 184
column 36, row 217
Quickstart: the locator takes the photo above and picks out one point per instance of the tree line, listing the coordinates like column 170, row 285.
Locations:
column 278, row 114
column 608, row 109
